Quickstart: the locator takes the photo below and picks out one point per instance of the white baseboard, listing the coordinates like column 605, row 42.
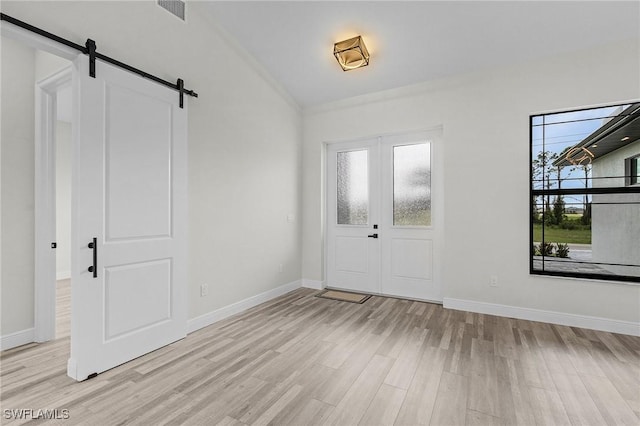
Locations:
column 560, row 318
column 16, row 339
column 313, row 284
column 219, row 314
column 63, row 275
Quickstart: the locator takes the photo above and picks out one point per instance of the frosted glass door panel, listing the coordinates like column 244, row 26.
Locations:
column 353, row 187
column 412, row 185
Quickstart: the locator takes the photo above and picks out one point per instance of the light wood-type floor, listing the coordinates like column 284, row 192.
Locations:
column 63, row 308
column 301, row 360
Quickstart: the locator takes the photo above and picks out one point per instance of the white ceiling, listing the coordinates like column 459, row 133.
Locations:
column 412, row 42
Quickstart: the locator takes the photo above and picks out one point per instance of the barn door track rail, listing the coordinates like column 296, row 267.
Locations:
column 90, row 49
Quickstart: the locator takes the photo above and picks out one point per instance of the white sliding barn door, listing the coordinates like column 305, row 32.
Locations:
column 130, row 194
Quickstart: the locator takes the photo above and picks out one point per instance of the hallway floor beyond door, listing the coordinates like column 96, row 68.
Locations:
column 63, row 308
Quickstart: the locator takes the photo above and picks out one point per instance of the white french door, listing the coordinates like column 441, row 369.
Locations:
column 353, row 200
column 384, row 216
column 129, row 218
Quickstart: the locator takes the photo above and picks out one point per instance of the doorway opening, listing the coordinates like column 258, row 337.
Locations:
column 53, row 120
column 62, row 142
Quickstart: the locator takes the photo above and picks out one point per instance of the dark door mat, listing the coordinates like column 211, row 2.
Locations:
column 344, row 296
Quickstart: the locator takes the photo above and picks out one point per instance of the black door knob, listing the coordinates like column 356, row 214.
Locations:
column 373, row 236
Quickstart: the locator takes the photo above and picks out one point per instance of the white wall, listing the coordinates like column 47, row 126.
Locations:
column 244, row 148
column 48, row 64
column 485, row 119
column 17, row 169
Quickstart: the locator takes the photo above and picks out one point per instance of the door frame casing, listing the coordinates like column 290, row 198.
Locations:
column 45, row 202
column 437, row 168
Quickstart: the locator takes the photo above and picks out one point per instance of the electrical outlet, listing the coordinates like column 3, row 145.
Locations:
column 281, row 268
column 493, row 281
column 204, row 290
column 291, row 218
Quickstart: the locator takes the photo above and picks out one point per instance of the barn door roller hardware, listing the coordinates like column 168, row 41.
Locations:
column 90, row 49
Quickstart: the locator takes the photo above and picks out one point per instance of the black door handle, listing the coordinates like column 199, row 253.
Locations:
column 94, row 268
column 373, row 236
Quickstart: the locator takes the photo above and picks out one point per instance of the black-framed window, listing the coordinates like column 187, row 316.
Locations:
column 585, row 196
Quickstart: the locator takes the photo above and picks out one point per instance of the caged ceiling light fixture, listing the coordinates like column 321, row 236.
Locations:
column 351, row 53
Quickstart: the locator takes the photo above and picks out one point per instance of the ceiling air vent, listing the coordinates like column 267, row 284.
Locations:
column 176, row 7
